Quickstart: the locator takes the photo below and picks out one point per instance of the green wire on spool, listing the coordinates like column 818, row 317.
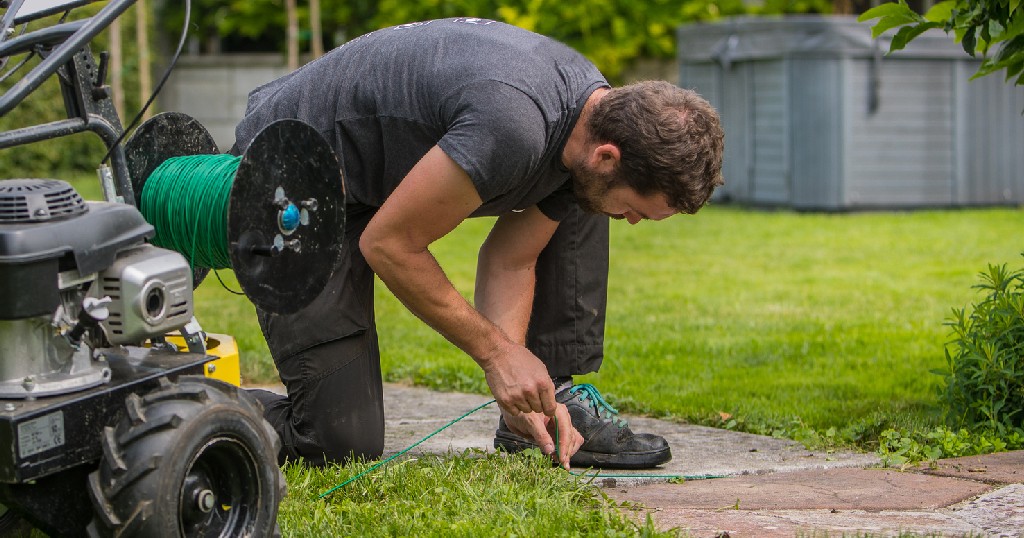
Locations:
column 186, row 200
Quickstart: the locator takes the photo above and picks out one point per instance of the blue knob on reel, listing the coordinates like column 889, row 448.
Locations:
column 289, row 218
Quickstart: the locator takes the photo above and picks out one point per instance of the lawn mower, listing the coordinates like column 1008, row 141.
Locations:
column 119, row 414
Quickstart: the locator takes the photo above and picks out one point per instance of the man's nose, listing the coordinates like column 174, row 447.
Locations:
column 632, row 217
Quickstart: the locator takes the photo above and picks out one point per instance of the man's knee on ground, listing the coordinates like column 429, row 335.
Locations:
column 345, row 445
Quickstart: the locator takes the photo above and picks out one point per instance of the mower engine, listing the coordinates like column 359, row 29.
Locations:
column 76, row 277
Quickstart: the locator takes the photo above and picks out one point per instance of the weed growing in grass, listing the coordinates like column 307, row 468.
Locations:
column 985, row 376
column 470, row 494
column 899, row 449
column 983, row 397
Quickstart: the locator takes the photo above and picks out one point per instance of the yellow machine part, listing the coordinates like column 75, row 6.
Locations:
column 226, row 366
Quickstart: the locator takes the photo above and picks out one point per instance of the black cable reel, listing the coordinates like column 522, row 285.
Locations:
column 286, row 211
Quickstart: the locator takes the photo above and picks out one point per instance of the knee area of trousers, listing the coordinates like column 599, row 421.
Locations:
column 342, row 447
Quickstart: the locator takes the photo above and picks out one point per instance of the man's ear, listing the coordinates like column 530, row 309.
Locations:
column 605, row 157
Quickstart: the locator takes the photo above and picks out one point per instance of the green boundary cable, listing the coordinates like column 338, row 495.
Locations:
column 414, row 445
column 186, row 200
column 481, row 406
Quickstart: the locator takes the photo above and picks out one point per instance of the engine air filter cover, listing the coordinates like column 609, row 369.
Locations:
column 45, row 228
column 38, row 200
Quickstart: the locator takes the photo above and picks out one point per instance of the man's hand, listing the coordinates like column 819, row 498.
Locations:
column 519, row 381
column 543, row 430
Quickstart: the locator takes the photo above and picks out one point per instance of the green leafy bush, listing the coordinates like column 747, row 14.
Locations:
column 978, row 25
column 983, row 395
column 985, row 358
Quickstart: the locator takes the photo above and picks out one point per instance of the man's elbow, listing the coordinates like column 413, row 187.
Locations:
column 372, row 249
column 383, row 250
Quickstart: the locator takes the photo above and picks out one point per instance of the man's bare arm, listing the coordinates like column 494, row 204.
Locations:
column 431, row 201
column 506, row 270
column 505, row 282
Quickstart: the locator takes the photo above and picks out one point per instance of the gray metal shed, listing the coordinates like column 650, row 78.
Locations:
column 817, row 116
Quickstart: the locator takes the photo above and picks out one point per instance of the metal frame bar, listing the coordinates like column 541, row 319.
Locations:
column 62, row 54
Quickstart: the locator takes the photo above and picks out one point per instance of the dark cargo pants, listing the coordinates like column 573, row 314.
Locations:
column 328, row 358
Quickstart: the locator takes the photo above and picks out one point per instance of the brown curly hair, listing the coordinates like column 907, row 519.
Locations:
column 670, row 140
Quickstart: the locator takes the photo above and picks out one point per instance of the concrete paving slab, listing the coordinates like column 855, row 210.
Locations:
column 809, row 523
column 830, row 502
column 411, row 413
column 714, row 451
column 1002, row 468
column 832, row 489
column 998, row 513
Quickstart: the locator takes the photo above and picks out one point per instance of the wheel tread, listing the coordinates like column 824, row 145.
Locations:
column 143, row 512
column 136, row 411
column 163, row 423
column 111, row 451
column 103, row 508
column 195, row 394
column 119, row 483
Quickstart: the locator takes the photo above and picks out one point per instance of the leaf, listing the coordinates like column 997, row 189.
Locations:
column 941, row 12
column 969, row 41
column 890, row 16
column 1015, row 27
column 996, row 31
column 1009, row 51
column 887, row 10
column 888, row 23
column 908, row 33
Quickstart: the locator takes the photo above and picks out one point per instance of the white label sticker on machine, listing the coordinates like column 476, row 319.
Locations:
column 39, row 434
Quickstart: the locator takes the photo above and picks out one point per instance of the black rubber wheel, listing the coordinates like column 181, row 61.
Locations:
column 12, row 525
column 192, row 458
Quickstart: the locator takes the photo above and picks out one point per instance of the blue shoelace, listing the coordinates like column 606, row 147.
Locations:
column 604, row 410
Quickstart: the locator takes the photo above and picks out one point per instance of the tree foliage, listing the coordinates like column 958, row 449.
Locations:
column 612, row 33
column 978, row 25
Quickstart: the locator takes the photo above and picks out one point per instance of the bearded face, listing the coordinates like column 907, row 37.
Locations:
column 590, row 186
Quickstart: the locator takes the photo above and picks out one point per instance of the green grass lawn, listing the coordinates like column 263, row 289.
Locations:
column 474, row 494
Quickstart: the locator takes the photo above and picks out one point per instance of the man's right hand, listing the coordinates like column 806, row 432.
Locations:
column 545, row 431
column 519, row 381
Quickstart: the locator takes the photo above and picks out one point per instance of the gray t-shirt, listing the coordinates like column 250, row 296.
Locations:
column 499, row 100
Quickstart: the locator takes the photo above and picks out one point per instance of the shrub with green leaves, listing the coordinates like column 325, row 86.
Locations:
column 983, row 398
column 978, row 25
column 985, row 358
